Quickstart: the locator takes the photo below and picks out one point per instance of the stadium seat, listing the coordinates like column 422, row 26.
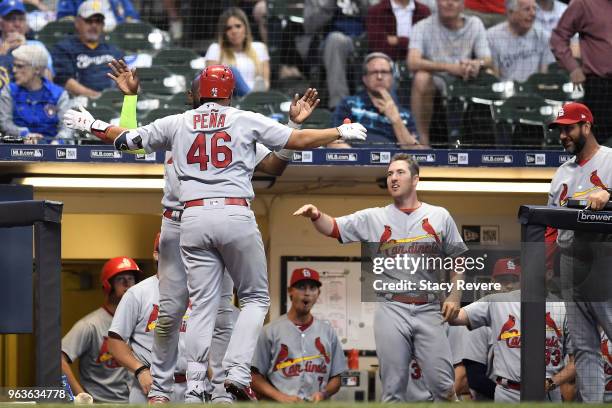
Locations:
column 103, row 113
column 320, row 119
column 110, row 98
column 177, row 61
column 554, row 87
column 159, row 113
column 134, row 37
column 521, row 120
column 54, row 32
column 265, row 103
column 160, row 81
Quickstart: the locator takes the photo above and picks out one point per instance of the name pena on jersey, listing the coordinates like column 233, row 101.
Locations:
column 207, row 121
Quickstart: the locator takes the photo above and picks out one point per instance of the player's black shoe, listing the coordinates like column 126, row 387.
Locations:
column 239, row 391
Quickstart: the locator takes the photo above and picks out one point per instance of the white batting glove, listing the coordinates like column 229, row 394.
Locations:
column 352, row 131
column 78, row 119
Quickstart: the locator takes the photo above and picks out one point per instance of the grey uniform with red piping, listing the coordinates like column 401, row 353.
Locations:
column 213, row 151
column 585, row 259
column 405, row 328
column 174, row 296
column 299, row 360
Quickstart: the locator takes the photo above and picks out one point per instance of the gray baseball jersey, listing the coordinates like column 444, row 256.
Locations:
column 606, row 354
column 172, row 185
column 428, row 230
column 213, row 148
column 502, row 313
column 517, row 57
column 579, row 180
column 100, row 375
column 136, row 317
column 299, row 362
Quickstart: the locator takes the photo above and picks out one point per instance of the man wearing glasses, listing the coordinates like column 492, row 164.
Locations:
column 80, row 62
column 377, row 109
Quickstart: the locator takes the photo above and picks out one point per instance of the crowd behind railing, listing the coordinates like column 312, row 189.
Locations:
column 417, row 74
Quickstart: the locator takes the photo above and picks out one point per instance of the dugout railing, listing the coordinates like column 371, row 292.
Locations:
column 534, row 220
column 46, row 218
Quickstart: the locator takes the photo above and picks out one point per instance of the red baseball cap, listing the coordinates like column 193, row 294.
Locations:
column 302, row 274
column 571, row 113
column 506, row 266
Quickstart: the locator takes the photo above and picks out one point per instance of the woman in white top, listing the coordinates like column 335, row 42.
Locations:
column 235, row 47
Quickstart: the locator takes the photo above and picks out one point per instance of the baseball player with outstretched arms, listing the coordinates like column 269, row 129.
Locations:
column 172, row 274
column 213, row 152
column 130, row 337
column 298, row 357
column 406, row 324
column 100, row 374
column 585, row 257
column 502, row 313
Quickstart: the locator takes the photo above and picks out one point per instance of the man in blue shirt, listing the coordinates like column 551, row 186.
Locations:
column 115, row 12
column 387, row 122
column 80, row 61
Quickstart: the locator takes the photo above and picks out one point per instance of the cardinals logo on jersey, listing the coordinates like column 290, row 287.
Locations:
column 563, row 195
column 511, row 335
column 152, row 322
column 319, row 345
column 283, row 355
column 105, row 357
column 550, row 324
column 594, row 179
column 392, row 247
column 294, row 367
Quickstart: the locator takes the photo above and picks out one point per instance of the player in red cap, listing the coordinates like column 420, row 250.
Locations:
column 100, row 374
column 584, row 262
column 298, row 357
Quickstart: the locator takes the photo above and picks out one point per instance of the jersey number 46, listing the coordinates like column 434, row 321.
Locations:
column 220, row 155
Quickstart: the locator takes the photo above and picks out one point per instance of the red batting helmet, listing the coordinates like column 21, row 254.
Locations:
column 217, row 81
column 115, row 266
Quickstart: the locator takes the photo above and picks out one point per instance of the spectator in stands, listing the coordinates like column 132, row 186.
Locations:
column 31, row 106
column 114, row 11
column 591, row 19
column 548, row 13
column 389, row 23
column 519, row 48
column 341, row 22
column 376, row 108
column 235, row 47
column 175, row 20
column 80, row 61
column 491, row 12
column 443, row 46
column 298, row 356
column 14, row 28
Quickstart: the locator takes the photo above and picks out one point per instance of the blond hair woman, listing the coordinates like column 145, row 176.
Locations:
column 235, row 47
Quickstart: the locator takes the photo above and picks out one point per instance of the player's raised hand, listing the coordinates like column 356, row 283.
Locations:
column 302, row 108
column 127, row 80
column 79, row 119
column 308, row 211
column 352, row 131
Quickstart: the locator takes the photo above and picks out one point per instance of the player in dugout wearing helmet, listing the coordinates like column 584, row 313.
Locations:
column 100, row 375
